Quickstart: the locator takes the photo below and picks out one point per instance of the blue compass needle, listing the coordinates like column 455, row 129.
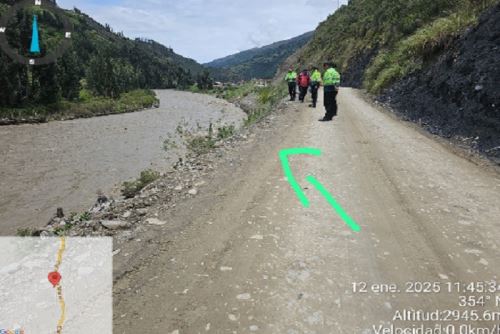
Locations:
column 35, row 45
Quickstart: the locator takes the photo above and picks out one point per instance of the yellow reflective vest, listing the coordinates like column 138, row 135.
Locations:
column 331, row 77
column 316, row 77
column 291, row 76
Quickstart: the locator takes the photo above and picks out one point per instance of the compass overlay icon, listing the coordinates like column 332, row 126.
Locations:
column 35, row 55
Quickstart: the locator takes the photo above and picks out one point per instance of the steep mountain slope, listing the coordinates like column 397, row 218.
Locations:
column 438, row 57
column 259, row 63
column 100, row 60
column 162, row 51
column 458, row 94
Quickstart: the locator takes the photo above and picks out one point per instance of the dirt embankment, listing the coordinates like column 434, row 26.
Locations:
column 458, row 96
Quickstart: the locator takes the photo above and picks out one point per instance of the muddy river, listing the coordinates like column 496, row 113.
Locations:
column 64, row 164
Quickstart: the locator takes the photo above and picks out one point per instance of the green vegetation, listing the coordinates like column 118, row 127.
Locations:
column 267, row 95
column 199, row 142
column 100, row 63
column 132, row 188
column 195, row 143
column 85, row 217
column 404, row 35
column 29, row 232
column 226, row 131
column 24, row 232
column 411, row 53
column 87, row 105
column 200, row 145
column 203, row 81
column 61, row 230
column 268, row 98
column 170, row 144
column 236, row 92
column 257, row 63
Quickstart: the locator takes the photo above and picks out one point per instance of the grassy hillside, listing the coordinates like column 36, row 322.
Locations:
column 377, row 42
column 101, row 64
column 456, row 94
column 260, row 63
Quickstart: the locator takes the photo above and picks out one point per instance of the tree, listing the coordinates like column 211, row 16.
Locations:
column 49, row 88
column 13, row 79
column 100, row 74
column 124, row 77
column 204, row 81
column 69, row 74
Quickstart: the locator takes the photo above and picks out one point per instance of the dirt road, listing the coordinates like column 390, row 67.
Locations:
column 244, row 256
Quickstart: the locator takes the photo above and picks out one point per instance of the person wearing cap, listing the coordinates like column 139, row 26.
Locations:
column 331, row 83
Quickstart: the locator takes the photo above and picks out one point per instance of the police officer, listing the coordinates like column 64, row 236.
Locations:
column 291, row 78
column 315, row 84
column 331, row 82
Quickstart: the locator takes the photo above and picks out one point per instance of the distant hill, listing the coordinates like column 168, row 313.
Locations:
column 161, row 50
column 259, row 63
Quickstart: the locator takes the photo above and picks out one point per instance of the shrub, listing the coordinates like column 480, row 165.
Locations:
column 201, row 144
column 225, row 131
column 24, row 232
column 85, row 95
column 265, row 95
column 233, row 93
column 132, row 188
column 84, row 217
column 61, row 231
column 137, row 99
column 258, row 114
column 87, row 106
column 194, row 89
column 268, row 98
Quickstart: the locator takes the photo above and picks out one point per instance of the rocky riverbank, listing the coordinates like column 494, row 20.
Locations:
column 64, row 164
column 124, row 218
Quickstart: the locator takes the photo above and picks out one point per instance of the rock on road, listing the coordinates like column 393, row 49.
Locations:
column 244, row 256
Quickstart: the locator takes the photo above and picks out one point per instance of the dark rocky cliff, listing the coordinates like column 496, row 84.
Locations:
column 458, row 96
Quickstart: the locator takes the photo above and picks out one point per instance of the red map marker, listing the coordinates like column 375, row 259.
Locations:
column 54, row 278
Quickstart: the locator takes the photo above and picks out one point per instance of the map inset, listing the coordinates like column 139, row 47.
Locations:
column 56, row 285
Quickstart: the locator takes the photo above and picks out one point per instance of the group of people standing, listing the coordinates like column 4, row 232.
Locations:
column 313, row 80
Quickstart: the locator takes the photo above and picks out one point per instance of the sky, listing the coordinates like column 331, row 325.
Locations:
column 208, row 29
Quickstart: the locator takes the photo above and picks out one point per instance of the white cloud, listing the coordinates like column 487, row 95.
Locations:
column 209, row 29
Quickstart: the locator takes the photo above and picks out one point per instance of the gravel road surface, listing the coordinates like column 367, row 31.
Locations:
column 245, row 257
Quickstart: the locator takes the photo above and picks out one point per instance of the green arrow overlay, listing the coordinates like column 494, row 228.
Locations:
column 288, row 171
column 311, row 179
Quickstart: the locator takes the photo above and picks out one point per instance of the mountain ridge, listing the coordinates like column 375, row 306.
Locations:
column 260, row 63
